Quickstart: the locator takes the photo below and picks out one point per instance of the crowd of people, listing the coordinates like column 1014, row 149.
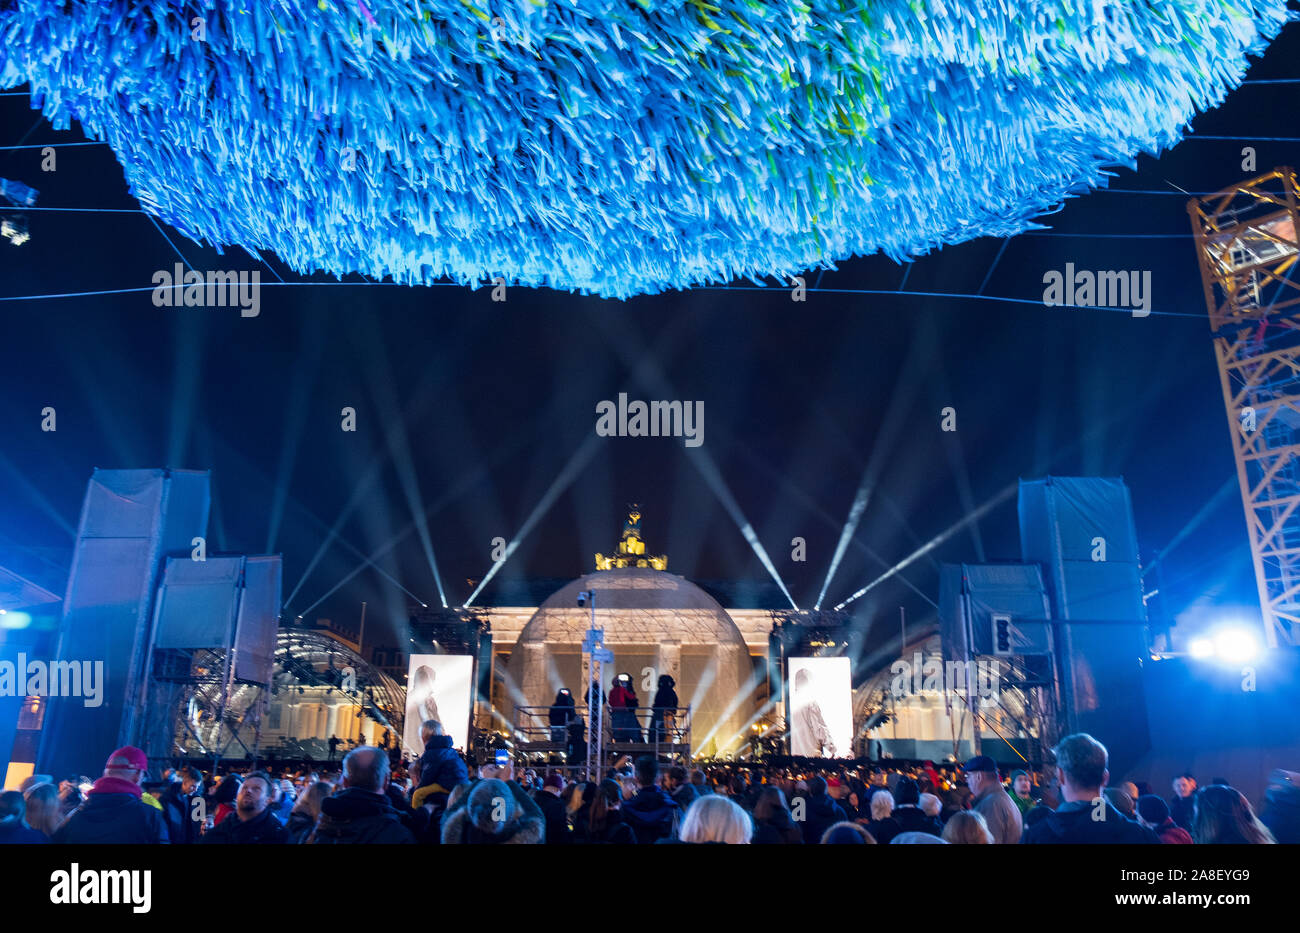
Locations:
column 440, row 799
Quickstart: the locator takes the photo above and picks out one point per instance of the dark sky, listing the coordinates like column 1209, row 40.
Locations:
column 476, row 407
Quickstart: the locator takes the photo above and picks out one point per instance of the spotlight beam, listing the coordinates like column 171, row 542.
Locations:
column 934, row 542
column 575, row 466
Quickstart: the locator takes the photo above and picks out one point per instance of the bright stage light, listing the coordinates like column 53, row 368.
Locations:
column 1235, row 645
column 1201, row 648
column 13, row 620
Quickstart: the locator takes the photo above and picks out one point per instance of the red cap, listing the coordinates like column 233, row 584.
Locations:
column 833, row 782
column 128, row 756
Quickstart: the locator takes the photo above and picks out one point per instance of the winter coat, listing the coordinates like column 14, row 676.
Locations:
column 651, row 814
column 912, row 819
column 14, row 831
column 617, row 831
column 557, row 821
column 1171, row 833
column 263, row 829
column 113, row 813
column 1072, row 823
column 622, row 698
column 883, row 831
column 820, row 814
column 359, row 817
column 777, row 830
column 1003, row 817
column 178, row 808
column 441, row 764
column 1282, row 810
column 684, row 796
column 563, row 713
column 527, row 825
column 299, row 826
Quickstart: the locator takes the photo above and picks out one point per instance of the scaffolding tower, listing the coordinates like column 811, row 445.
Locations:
column 1247, row 250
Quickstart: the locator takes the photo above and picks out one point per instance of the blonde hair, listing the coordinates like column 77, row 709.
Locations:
column 966, row 827
column 310, row 800
column 716, row 819
column 44, row 810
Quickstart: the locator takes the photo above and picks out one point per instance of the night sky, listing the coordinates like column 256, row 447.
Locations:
column 472, row 409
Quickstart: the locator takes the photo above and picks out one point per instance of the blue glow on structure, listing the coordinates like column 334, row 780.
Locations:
column 618, row 147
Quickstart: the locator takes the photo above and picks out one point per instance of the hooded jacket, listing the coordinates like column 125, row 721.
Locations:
column 263, row 829
column 822, row 813
column 359, row 817
column 113, row 813
column 441, row 765
column 650, row 814
column 467, row 823
column 1073, row 823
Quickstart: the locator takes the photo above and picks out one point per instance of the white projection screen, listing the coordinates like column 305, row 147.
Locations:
column 821, row 707
column 438, row 686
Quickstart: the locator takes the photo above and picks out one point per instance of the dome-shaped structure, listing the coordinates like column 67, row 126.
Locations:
column 320, row 688
column 655, row 623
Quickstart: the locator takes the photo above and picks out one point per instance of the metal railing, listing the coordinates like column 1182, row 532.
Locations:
column 663, row 732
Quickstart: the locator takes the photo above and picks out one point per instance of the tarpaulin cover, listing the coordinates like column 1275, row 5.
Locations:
column 259, row 619
column 1013, row 589
column 197, row 603
column 621, row 147
column 127, row 517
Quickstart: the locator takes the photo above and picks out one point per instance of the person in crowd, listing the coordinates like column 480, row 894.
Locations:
column 907, row 811
column 967, row 828
column 700, row 781
column 306, row 811
column 623, row 706
column 838, row 789
column 496, row 811
column 1122, row 802
column 14, row 828
column 680, row 788
column 361, row 814
column 254, row 823
column 561, row 714
column 1153, row 813
column 572, row 799
column 932, row 807
column 651, row 812
column 1222, row 815
column 441, row 767
column 179, row 811
column 847, row 834
column 663, row 715
column 992, row 801
column 575, row 749
column 955, row 799
column 1182, row 805
column 600, row 821
column 1085, row 816
column 113, row 811
column 717, row 820
column 917, row 838
column 44, row 814
column 1022, row 792
column 772, row 822
column 1282, row 806
column 553, row 811
column 819, row 811
column 883, row 827
column 70, row 794
column 741, row 792
column 223, row 797
column 282, row 804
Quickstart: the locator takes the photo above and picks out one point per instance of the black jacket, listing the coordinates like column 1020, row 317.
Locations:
column 912, row 819
column 778, row 829
column 299, row 826
column 113, row 818
column 617, row 831
column 1182, row 809
column 358, row 817
column 262, row 830
column 1073, row 824
column 821, row 813
column 883, row 831
column 557, row 821
column 650, row 814
column 684, row 796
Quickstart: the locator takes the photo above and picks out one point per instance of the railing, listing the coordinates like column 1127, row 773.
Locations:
column 663, row 732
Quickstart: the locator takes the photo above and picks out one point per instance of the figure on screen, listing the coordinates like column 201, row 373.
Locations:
column 421, row 691
column 811, row 736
